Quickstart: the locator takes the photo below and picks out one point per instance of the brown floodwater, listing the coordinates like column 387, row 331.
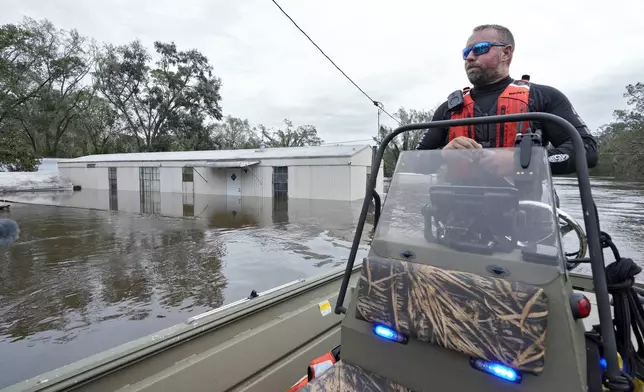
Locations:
column 92, row 271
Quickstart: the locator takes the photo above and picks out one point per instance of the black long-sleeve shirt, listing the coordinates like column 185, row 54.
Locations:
column 542, row 98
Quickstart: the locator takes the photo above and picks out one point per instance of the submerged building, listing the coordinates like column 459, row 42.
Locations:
column 317, row 172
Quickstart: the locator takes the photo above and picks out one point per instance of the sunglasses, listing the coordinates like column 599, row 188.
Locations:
column 481, row 48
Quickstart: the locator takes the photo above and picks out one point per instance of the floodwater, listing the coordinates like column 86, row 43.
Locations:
column 620, row 205
column 110, row 270
column 91, row 271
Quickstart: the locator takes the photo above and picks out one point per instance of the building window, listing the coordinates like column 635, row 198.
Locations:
column 91, row 165
column 188, row 174
column 111, row 178
column 280, row 181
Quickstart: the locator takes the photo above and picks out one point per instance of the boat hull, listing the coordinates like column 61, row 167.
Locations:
column 264, row 344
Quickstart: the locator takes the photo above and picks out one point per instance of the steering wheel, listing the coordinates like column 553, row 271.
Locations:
column 567, row 224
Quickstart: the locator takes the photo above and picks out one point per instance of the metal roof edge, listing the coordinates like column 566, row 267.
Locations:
column 360, row 150
column 75, row 161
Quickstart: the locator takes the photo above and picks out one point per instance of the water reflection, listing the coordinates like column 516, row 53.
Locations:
column 71, row 263
column 620, row 205
column 122, row 265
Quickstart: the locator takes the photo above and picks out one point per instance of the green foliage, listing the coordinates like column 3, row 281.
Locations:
column 235, row 133
column 621, row 142
column 172, row 98
column 404, row 142
column 61, row 95
column 303, row 135
column 15, row 153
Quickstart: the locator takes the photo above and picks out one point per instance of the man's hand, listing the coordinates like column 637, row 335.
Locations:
column 462, row 142
column 501, row 162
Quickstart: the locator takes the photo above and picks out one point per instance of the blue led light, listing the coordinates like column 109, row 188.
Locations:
column 389, row 334
column 604, row 365
column 497, row 369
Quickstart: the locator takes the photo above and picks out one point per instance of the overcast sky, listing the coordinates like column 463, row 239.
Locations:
column 402, row 53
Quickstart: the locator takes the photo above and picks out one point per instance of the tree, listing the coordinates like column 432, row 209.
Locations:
column 21, row 65
column 66, row 59
column 235, row 133
column 406, row 141
column 303, row 135
column 63, row 96
column 15, row 153
column 100, row 126
column 621, row 142
column 180, row 89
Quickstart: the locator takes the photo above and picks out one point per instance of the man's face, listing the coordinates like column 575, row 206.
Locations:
column 485, row 68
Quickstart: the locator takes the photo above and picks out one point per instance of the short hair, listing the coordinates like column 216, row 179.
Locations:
column 504, row 32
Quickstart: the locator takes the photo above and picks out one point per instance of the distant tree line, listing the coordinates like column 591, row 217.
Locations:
column 63, row 95
column 405, row 141
column 621, row 142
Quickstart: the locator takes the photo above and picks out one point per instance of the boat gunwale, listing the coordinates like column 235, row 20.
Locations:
column 97, row 365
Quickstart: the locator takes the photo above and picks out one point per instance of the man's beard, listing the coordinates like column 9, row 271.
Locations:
column 481, row 77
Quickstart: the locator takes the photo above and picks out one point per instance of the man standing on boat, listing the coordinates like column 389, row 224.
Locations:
column 487, row 57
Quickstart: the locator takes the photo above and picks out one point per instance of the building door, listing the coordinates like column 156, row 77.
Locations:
column 233, row 182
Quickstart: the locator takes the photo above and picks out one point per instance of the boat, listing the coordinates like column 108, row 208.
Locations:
column 466, row 287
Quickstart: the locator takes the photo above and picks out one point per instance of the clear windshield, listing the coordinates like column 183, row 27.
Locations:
column 472, row 201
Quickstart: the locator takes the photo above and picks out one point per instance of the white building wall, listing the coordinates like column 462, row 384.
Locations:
column 336, row 178
column 358, row 182
column 319, row 182
column 207, row 181
column 258, row 181
column 171, row 179
column 90, row 178
column 255, row 181
column 363, row 158
column 380, row 181
column 127, row 179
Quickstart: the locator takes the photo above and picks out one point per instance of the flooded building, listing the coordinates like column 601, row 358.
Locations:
column 316, row 172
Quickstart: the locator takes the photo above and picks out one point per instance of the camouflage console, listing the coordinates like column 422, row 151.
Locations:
column 481, row 304
column 483, row 317
column 347, row 377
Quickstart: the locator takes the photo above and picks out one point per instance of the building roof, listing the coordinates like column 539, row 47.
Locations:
column 331, row 151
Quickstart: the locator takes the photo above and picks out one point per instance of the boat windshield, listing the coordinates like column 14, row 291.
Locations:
column 471, row 202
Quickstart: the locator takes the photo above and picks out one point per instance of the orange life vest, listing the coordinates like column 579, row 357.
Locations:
column 316, row 367
column 513, row 100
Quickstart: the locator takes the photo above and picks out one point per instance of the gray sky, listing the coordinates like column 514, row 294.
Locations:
column 402, row 53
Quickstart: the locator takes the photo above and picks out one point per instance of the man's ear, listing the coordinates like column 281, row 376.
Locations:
column 508, row 51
